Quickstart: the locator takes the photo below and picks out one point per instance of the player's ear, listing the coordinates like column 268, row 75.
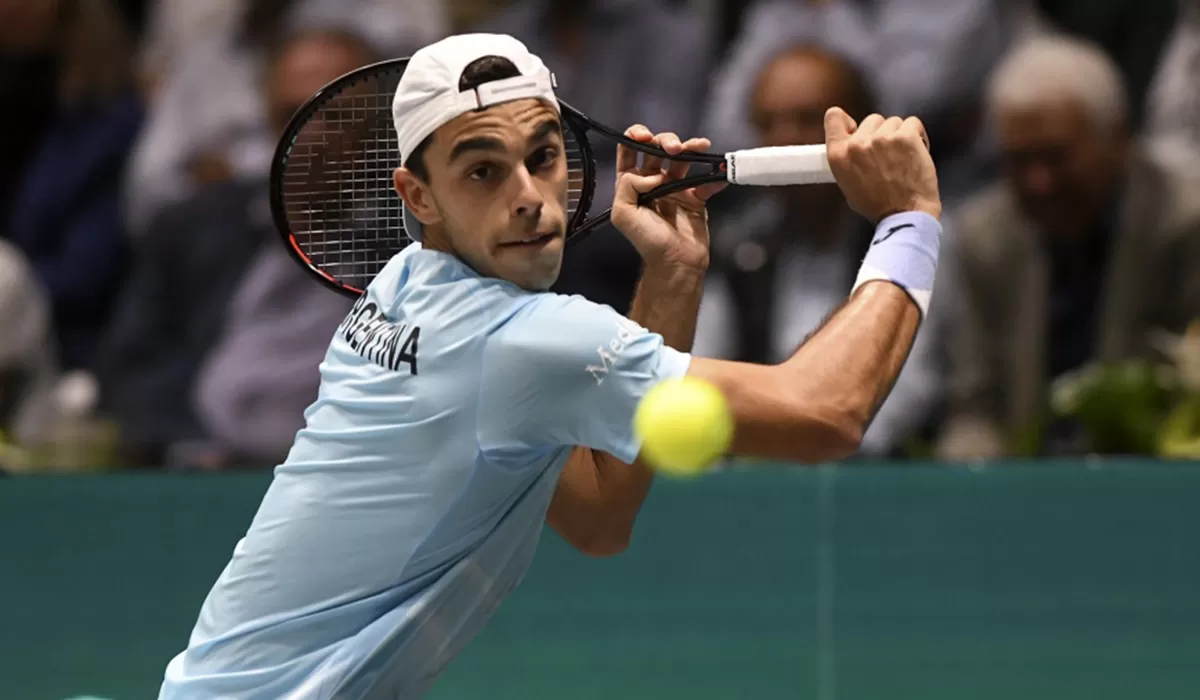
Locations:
column 416, row 195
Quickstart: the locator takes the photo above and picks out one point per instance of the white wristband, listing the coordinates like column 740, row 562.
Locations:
column 904, row 252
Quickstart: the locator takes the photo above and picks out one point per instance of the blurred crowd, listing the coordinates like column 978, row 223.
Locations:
column 148, row 317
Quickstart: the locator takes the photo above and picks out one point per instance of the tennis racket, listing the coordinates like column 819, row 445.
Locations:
column 332, row 195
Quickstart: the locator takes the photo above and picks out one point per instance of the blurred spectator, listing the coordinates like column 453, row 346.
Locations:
column 1173, row 119
column 921, row 57
column 189, row 269
column 29, row 40
column 785, row 258
column 256, row 383
column 27, row 365
column 176, row 28
column 133, row 13
column 467, row 15
column 593, row 48
column 208, row 122
column 65, row 217
column 1132, row 32
column 1085, row 248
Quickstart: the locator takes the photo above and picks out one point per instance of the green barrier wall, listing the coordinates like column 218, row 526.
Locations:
column 1037, row 581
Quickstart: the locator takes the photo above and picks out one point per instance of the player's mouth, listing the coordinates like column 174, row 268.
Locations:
column 534, row 241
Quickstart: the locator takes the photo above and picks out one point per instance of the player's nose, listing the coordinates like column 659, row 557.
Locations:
column 528, row 200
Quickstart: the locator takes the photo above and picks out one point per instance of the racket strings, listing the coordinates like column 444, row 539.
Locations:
column 337, row 191
column 342, row 210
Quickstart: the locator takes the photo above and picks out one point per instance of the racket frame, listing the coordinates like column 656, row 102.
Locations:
column 580, row 123
column 578, row 228
column 281, row 157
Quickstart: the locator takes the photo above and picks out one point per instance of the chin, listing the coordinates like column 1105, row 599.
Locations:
column 541, row 282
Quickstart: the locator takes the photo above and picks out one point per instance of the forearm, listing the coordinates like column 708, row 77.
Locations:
column 851, row 364
column 667, row 302
column 817, row 405
column 908, row 407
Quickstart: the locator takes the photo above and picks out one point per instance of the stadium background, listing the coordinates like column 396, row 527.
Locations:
column 1031, row 535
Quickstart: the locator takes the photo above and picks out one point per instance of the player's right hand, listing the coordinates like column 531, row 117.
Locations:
column 671, row 230
column 882, row 166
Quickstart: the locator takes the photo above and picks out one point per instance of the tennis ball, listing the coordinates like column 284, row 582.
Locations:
column 684, row 425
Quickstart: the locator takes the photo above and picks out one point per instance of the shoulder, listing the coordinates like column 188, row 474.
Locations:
column 436, row 284
column 985, row 210
column 565, row 339
column 1174, row 184
column 555, row 331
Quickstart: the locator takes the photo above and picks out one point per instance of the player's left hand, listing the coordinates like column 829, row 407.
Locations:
column 671, row 230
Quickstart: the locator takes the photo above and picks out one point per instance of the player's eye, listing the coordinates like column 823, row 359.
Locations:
column 481, row 172
column 543, row 158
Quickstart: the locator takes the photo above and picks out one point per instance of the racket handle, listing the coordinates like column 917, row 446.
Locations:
column 779, row 165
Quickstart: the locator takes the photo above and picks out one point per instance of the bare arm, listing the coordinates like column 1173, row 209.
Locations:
column 598, row 495
column 817, row 405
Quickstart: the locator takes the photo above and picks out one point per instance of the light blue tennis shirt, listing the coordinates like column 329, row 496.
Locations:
column 412, row 502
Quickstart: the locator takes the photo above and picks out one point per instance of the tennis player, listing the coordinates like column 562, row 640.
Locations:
column 462, row 406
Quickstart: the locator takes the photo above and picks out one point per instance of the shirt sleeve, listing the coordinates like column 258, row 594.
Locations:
column 568, row 372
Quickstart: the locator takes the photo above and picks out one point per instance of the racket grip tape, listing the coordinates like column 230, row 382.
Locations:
column 779, row 165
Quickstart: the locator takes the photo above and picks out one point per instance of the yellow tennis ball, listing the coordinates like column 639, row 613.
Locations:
column 684, row 425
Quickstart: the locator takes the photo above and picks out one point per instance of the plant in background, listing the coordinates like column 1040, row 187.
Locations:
column 1119, row 405
column 1179, row 435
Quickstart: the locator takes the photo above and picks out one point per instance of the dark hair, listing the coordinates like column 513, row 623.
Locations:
column 855, row 85
column 95, row 50
column 480, row 71
column 283, row 42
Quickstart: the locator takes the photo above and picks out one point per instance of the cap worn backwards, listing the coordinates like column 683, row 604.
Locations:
column 428, row 95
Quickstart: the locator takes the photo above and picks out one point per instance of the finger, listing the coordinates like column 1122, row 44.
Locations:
column 838, row 125
column 679, row 168
column 706, row 192
column 669, row 142
column 640, row 132
column 630, row 185
column 891, row 125
column 869, row 126
column 913, row 126
column 627, row 158
column 651, row 163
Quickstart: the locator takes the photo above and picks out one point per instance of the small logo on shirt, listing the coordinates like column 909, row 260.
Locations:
column 890, row 232
column 378, row 340
column 607, row 355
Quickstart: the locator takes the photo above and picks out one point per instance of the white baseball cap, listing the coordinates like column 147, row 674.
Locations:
column 428, row 95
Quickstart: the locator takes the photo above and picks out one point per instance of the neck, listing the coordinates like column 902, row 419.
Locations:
column 432, row 239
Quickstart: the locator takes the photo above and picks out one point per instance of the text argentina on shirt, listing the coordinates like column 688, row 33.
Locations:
column 378, row 340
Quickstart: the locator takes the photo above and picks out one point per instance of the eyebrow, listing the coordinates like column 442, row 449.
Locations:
column 550, row 126
column 488, row 143
column 478, row 143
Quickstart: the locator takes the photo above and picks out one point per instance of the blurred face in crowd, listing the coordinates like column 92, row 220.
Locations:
column 27, row 25
column 303, row 67
column 788, row 109
column 1062, row 167
column 496, row 192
